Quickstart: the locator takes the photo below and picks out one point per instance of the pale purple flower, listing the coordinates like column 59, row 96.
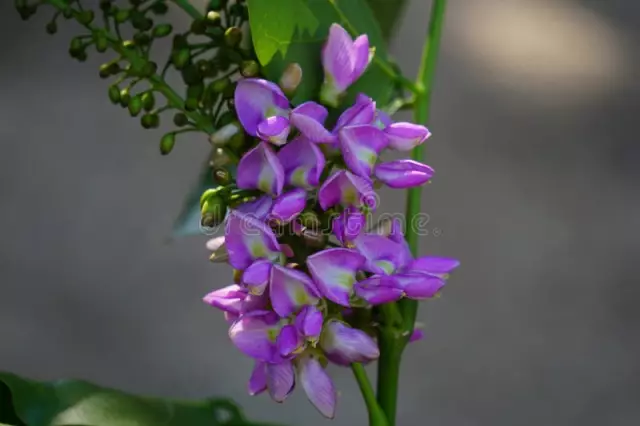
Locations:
column 280, row 380
column 344, row 61
column 334, row 271
column 302, row 162
column 344, row 345
column 256, row 277
column 347, row 189
column 406, row 136
column 258, row 208
column 348, row 225
column 258, row 379
column 290, row 290
column 308, row 322
column 378, row 289
column 248, row 239
column 360, row 146
column 288, row 206
column 254, row 335
column 235, row 300
column 403, row 173
column 289, row 341
column 317, row 385
column 260, row 169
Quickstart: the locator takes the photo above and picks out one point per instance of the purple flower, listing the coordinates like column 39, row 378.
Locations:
column 439, row 266
column 348, row 225
column 361, row 145
column 248, row 239
column 258, row 379
column 403, row 173
column 378, row 289
column 280, row 380
column 347, row 189
column 256, row 100
column 317, row 385
column 405, row 136
column 235, row 300
column 288, row 206
column 256, row 276
column 334, row 271
column 383, row 255
column 344, row 61
column 308, row 322
column 289, row 341
column 344, row 345
column 302, row 162
column 274, row 129
column 260, row 169
column 258, row 208
column 309, row 118
column 254, row 333
column 290, row 290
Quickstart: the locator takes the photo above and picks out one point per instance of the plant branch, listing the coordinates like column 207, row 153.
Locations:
column 376, row 415
column 188, row 8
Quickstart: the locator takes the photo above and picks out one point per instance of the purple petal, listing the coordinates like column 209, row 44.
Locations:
column 362, row 112
column 228, row 299
column 256, row 276
column 317, row 385
column 345, row 188
column 403, row 173
column 383, row 255
column 290, row 290
column 248, row 239
column 406, row 136
column 433, row 265
column 274, row 129
column 338, row 58
column 303, row 163
column 417, row 285
column 344, row 345
column 382, row 120
column 378, row 290
column 334, row 270
column 348, row 225
column 417, row 334
column 258, row 379
column 289, row 205
column 362, row 56
column 257, row 99
column 289, row 341
column 309, row 322
column 361, row 146
column 253, row 335
column 280, row 380
column 260, row 169
column 258, row 208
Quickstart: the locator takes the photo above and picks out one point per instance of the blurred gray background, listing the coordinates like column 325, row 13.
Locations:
column 535, row 143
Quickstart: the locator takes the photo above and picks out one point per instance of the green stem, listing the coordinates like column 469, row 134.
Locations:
column 376, row 415
column 424, row 81
column 189, row 8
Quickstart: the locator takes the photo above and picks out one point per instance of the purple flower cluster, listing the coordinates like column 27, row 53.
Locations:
column 288, row 310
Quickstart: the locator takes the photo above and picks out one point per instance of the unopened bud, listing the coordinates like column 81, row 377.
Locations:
column 209, row 193
column 249, row 69
column 101, row 43
column 216, row 4
column 150, row 121
column 180, row 119
column 220, row 85
column 114, row 94
column 122, row 16
column 135, row 105
column 52, row 27
column 86, row 17
column 213, row 210
column 233, row 36
column 125, row 97
column 167, row 142
column 310, row 220
column 199, row 26
column 222, row 176
column 291, row 78
column 162, row 30
column 180, row 58
column 213, row 18
column 224, row 134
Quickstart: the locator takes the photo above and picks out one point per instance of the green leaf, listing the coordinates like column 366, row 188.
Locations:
column 274, row 22
column 378, row 82
column 387, row 13
column 68, row 402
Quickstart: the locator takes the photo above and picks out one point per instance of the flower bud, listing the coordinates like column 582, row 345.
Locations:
column 52, row 27
column 213, row 18
column 221, row 84
column 162, row 30
column 150, row 121
column 135, row 105
column 237, row 276
column 291, row 78
column 122, row 16
column 249, row 69
column 148, row 101
column 125, row 97
column 233, row 36
column 141, row 22
column 223, row 135
column 105, row 5
column 180, row 58
column 180, row 119
column 213, row 211
column 209, row 193
column 220, row 158
column 167, row 142
column 101, row 42
column 114, row 94
column 86, row 17
column 236, row 143
column 222, row 176
column 191, row 75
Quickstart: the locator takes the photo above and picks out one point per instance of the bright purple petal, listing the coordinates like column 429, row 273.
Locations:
column 344, row 345
column 347, row 189
column 309, row 118
column 348, row 225
column 334, row 270
column 362, row 112
column 257, row 99
column 338, row 57
column 290, row 290
column 309, row 322
column 433, row 265
column 274, row 129
column 378, row 289
column 260, row 169
column 289, row 205
column 289, row 341
column 253, row 335
column 361, row 146
column 403, row 173
column 383, row 255
column 417, row 285
column 406, row 136
column 248, row 239
column 317, row 385
column 228, row 299
column 382, row 120
column 362, row 56
column 303, row 163
column 258, row 379
column 256, row 276
column 417, row 334
column 258, row 208
column 280, row 380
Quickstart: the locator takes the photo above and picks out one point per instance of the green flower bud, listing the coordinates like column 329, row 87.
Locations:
column 105, row 70
column 167, row 142
column 114, row 94
column 25, row 11
column 222, row 176
column 291, row 78
column 150, row 121
column 220, row 158
column 76, row 48
column 52, row 27
column 199, row 26
column 233, row 36
column 223, row 135
column 159, row 8
column 162, row 30
column 249, row 69
column 226, row 118
column 191, row 75
column 125, row 97
column 180, row 58
column 135, row 105
column 86, row 17
column 101, row 43
column 221, row 84
column 213, row 211
column 148, row 101
column 237, row 276
column 149, row 68
column 209, row 193
column 122, row 16
column 213, row 18
column 129, row 45
column 180, row 119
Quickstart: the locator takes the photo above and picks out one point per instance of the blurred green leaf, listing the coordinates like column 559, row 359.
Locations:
column 77, row 403
column 305, row 49
column 387, row 13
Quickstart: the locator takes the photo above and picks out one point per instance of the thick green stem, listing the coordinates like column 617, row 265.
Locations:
column 424, row 81
column 376, row 415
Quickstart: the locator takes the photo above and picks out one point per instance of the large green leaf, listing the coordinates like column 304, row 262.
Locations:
column 387, row 13
column 304, row 48
column 26, row 402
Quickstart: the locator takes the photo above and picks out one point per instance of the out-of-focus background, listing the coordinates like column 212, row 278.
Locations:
column 535, row 143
